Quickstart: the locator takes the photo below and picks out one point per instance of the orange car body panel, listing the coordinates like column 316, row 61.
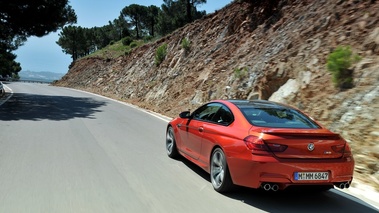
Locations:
column 196, row 143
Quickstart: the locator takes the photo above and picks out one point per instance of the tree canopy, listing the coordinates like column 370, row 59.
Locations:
column 135, row 14
column 20, row 19
column 135, row 21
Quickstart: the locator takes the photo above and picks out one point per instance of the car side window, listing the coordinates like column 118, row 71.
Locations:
column 206, row 112
column 223, row 116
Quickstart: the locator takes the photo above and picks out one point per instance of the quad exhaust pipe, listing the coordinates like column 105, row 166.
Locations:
column 275, row 187
column 343, row 185
column 270, row 186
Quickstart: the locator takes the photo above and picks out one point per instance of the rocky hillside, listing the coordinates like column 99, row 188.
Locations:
column 274, row 51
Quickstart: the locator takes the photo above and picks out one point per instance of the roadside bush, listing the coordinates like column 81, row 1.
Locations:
column 160, row 54
column 148, row 38
column 186, row 45
column 15, row 76
column 241, row 73
column 127, row 40
column 128, row 51
column 339, row 63
column 133, row 44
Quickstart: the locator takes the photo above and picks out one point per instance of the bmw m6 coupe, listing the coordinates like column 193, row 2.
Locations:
column 260, row 144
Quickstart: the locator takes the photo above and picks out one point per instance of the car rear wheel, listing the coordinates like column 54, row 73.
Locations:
column 220, row 176
column 171, row 148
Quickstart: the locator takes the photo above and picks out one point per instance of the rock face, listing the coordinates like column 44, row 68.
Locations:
column 248, row 52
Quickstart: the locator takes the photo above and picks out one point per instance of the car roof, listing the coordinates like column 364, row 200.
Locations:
column 257, row 104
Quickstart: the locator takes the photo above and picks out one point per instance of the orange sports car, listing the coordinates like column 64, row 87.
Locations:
column 260, row 144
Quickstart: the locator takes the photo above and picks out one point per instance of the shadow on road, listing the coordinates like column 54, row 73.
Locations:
column 301, row 200
column 295, row 199
column 33, row 107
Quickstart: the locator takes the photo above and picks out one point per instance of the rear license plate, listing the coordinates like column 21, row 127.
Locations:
column 311, row 175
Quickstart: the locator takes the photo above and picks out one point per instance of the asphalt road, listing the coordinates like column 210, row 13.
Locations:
column 67, row 151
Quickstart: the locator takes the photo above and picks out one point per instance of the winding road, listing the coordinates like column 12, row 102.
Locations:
column 63, row 150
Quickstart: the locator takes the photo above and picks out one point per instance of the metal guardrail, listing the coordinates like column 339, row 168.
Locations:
column 35, row 81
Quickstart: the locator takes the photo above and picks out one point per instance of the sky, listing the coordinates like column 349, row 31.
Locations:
column 43, row 54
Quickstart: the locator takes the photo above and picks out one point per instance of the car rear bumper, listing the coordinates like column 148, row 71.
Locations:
column 256, row 171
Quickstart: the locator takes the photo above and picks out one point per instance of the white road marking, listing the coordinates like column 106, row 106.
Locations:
column 11, row 94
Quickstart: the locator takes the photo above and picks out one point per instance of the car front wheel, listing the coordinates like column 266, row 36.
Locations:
column 171, row 148
column 220, row 176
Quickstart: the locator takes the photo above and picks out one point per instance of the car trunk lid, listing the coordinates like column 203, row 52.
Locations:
column 304, row 143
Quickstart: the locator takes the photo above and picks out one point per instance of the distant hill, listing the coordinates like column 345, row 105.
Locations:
column 43, row 76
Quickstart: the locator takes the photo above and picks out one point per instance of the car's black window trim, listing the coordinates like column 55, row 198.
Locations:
column 213, row 118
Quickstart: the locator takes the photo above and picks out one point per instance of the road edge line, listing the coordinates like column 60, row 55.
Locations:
column 10, row 95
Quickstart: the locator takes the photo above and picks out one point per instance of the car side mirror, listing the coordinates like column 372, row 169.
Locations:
column 185, row 114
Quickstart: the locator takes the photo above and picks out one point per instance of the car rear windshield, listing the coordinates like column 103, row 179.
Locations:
column 278, row 118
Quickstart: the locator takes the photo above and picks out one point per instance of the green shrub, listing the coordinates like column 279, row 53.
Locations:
column 339, row 63
column 186, row 45
column 15, row 76
column 133, row 44
column 127, row 40
column 127, row 52
column 111, row 42
column 241, row 73
column 148, row 38
column 160, row 54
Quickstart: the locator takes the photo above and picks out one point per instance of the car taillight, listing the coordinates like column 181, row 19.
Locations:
column 259, row 147
column 339, row 148
column 277, row 147
column 343, row 149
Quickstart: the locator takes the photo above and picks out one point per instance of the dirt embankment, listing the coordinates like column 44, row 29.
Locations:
column 275, row 52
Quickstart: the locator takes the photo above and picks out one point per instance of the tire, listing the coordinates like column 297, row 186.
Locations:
column 171, row 148
column 220, row 176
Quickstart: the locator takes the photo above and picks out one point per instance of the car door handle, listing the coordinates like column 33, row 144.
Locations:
column 201, row 129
